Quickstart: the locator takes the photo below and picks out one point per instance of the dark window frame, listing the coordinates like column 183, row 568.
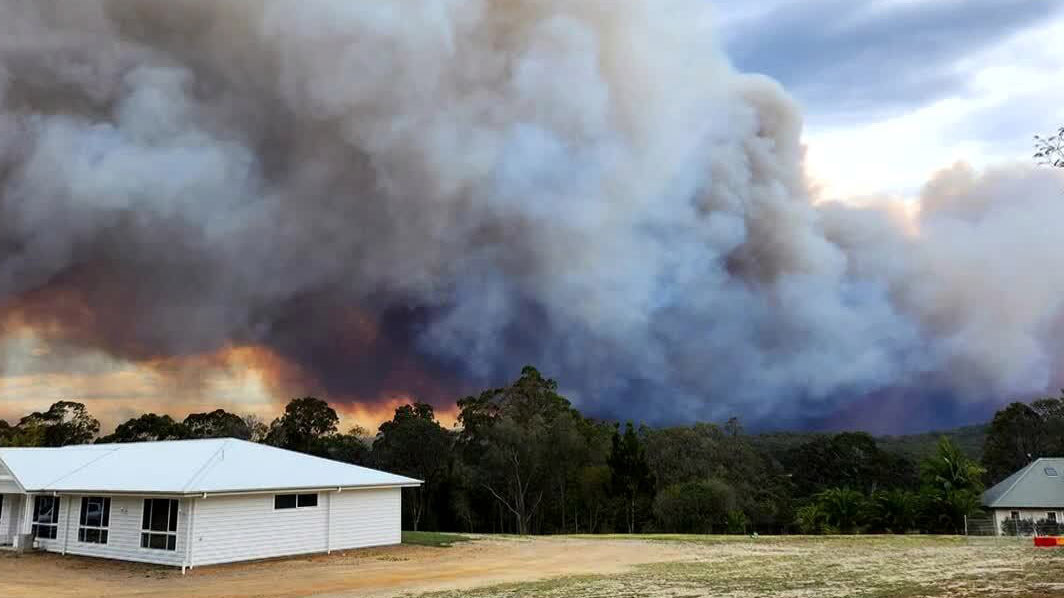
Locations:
column 94, row 529
column 46, row 528
column 158, row 529
column 295, row 502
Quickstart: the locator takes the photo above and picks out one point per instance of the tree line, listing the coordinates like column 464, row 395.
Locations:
column 523, row 460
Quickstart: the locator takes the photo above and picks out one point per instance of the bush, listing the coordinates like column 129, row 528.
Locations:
column 1017, row 527
column 844, row 509
column 694, row 507
column 1045, row 527
column 810, row 519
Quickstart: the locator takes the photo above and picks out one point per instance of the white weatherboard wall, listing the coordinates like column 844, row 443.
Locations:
column 1002, row 515
column 246, row 527
column 7, row 482
column 8, row 515
column 123, row 540
column 363, row 518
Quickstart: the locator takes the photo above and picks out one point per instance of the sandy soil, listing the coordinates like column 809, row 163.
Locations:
column 373, row 572
column 790, row 567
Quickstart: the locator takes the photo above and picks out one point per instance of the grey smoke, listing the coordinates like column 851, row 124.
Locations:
column 590, row 188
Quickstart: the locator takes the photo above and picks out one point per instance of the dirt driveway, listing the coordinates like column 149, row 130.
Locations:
column 372, row 572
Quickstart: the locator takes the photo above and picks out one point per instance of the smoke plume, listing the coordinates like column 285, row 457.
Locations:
column 422, row 196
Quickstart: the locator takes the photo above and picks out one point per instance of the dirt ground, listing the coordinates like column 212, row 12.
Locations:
column 571, row 567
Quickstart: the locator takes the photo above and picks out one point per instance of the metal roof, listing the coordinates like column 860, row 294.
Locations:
column 1030, row 487
column 208, row 466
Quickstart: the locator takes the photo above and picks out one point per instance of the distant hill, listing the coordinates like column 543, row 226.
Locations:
column 914, row 446
column 970, row 439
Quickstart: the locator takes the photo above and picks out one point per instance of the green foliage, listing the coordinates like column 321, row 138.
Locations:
column 433, row 539
column 1045, row 527
column 1049, row 150
column 696, row 507
column 811, row 519
column 893, row 511
column 217, row 424
column 414, row 444
column 304, row 423
column 1017, row 527
column 850, row 460
column 147, row 428
column 951, row 486
column 519, row 441
column 1021, row 433
column 736, row 522
column 629, row 472
column 843, row 509
column 64, row 423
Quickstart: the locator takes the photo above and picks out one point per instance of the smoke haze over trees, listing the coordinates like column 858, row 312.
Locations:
column 373, row 201
column 524, row 460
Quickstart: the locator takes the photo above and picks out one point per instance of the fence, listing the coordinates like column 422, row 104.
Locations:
column 984, row 525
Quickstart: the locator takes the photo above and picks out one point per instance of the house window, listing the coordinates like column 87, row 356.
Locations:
column 95, row 519
column 158, row 528
column 295, row 501
column 1052, row 516
column 1015, row 515
column 46, row 517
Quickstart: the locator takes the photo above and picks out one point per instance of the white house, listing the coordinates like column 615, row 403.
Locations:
column 1034, row 493
column 193, row 502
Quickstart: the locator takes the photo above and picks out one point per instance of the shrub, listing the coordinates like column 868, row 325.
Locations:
column 1045, row 527
column 694, row 507
column 1017, row 527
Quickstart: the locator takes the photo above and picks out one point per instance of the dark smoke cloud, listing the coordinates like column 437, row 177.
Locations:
column 422, row 197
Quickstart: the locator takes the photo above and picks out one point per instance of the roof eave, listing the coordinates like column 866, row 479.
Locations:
column 225, row 492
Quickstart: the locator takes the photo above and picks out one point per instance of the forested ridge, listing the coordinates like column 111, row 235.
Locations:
column 523, row 460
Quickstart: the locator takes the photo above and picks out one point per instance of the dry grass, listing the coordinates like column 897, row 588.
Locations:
column 584, row 567
column 820, row 567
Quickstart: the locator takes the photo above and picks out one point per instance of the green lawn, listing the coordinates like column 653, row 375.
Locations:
column 434, row 539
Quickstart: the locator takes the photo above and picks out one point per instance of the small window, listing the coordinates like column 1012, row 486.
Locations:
column 1052, row 516
column 1051, row 472
column 295, row 501
column 95, row 519
column 159, row 524
column 46, row 517
column 1015, row 515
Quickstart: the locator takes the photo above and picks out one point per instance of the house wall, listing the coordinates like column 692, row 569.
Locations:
column 7, row 481
column 9, row 515
column 1000, row 515
column 239, row 528
column 124, row 531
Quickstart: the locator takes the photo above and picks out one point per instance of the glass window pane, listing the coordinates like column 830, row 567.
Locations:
column 145, row 522
column 84, row 510
column 284, row 501
column 308, row 500
column 171, row 542
column 157, row 541
column 173, row 515
column 106, row 515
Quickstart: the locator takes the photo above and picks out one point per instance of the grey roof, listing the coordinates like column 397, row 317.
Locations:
column 1030, row 487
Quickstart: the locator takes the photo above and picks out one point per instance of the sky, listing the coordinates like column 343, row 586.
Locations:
column 892, row 92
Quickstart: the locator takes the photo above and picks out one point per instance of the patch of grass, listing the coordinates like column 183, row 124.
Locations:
column 434, row 539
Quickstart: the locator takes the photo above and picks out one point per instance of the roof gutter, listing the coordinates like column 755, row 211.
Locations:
column 200, row 494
